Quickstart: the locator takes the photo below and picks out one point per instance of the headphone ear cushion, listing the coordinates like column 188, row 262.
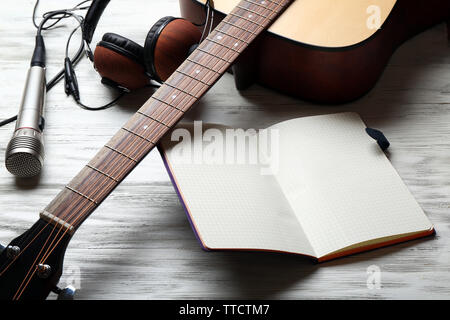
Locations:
column 120, row 61
column 167, row 45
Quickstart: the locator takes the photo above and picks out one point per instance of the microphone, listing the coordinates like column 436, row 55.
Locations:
column 25, row 152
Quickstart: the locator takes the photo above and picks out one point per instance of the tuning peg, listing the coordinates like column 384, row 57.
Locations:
column 66, row 293
column 12, row 251
column 43, row 270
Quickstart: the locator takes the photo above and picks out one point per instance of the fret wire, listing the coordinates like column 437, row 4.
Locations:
column 92, row 184
column 247, row 19
column 74, row 217
column 183, row 73
column 155, row 112
column 220, row 51
column 235, row 36
column 60, row 211
column 266, row 11
column 120, row 141
column 276, row 12
column 103, row 173
column 174, row 87
column 247, row 24
column 153, row 97
column 240, row 44
column 260, row 5
column 214, row 55
column 279, row 4
column 121, row 153
column 222, row 45
column 211, row 60
column 232, row 36
column 113, row 158
column 188, row 67
column 150, row 117
column 249, row 31
column 141, row 127
column 137, row 148
column 194, row 77
column 138, row 135
column 217, row 64
column 201, row 65
column 252, row 11
column 67, row 216
column 81, row 194
column 272, row 11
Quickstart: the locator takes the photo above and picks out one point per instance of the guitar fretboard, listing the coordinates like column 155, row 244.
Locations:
column 162, row 111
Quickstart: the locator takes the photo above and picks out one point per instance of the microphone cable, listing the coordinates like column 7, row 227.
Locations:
column 71, row 86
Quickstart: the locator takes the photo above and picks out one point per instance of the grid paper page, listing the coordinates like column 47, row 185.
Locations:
column 340, row 184
column 235, row 207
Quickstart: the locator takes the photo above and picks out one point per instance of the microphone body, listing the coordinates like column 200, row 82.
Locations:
column 25, row 152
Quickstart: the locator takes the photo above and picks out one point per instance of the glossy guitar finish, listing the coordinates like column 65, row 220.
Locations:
column 323, row 50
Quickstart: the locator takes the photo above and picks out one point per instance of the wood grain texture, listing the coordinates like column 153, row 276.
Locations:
column 139, row 245
column 173, row 45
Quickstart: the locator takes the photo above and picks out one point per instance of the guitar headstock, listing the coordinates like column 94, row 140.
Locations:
column 31, row 265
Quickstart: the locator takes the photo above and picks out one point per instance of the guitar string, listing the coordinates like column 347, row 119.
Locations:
column 194, row 78
column 171, row 119
column 34, row 263
column 143, row 142
column 126, row 168
column 58, row 241
column 267, row 18
column 23, row 249
column 49, row 223
column 35, row 269
column 66, row 231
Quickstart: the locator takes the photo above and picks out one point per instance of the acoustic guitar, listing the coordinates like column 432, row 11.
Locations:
column 31, row 265
column 326, row 50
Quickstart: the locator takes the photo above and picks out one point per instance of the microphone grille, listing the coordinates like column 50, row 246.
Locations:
column 24, row 156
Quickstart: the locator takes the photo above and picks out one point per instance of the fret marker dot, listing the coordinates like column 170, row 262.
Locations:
column 219, row 37
column 263, row 2
column 250, row 16
column 145, row 127
column 197, row 71
column 236, row 44
column 174, row 96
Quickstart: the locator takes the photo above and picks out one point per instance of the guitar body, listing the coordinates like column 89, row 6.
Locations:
column 318, row 50
column 327, row 51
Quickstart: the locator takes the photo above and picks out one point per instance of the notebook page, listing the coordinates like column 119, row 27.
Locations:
column 234, row 206
column 340, row 184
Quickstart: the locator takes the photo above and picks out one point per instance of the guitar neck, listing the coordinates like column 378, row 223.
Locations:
column 161, row 112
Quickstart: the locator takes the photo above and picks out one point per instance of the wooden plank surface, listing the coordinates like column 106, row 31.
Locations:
column 139, row 245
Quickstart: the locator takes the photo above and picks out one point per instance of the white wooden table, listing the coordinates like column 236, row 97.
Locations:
column 139, row 245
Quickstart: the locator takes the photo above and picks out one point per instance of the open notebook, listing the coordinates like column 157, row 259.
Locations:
column 330, row 190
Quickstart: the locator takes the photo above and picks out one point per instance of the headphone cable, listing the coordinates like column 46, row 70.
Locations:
column 59, row 15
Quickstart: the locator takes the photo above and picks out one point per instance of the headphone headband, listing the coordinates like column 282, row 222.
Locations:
column 150, row 44
column 92, row 17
